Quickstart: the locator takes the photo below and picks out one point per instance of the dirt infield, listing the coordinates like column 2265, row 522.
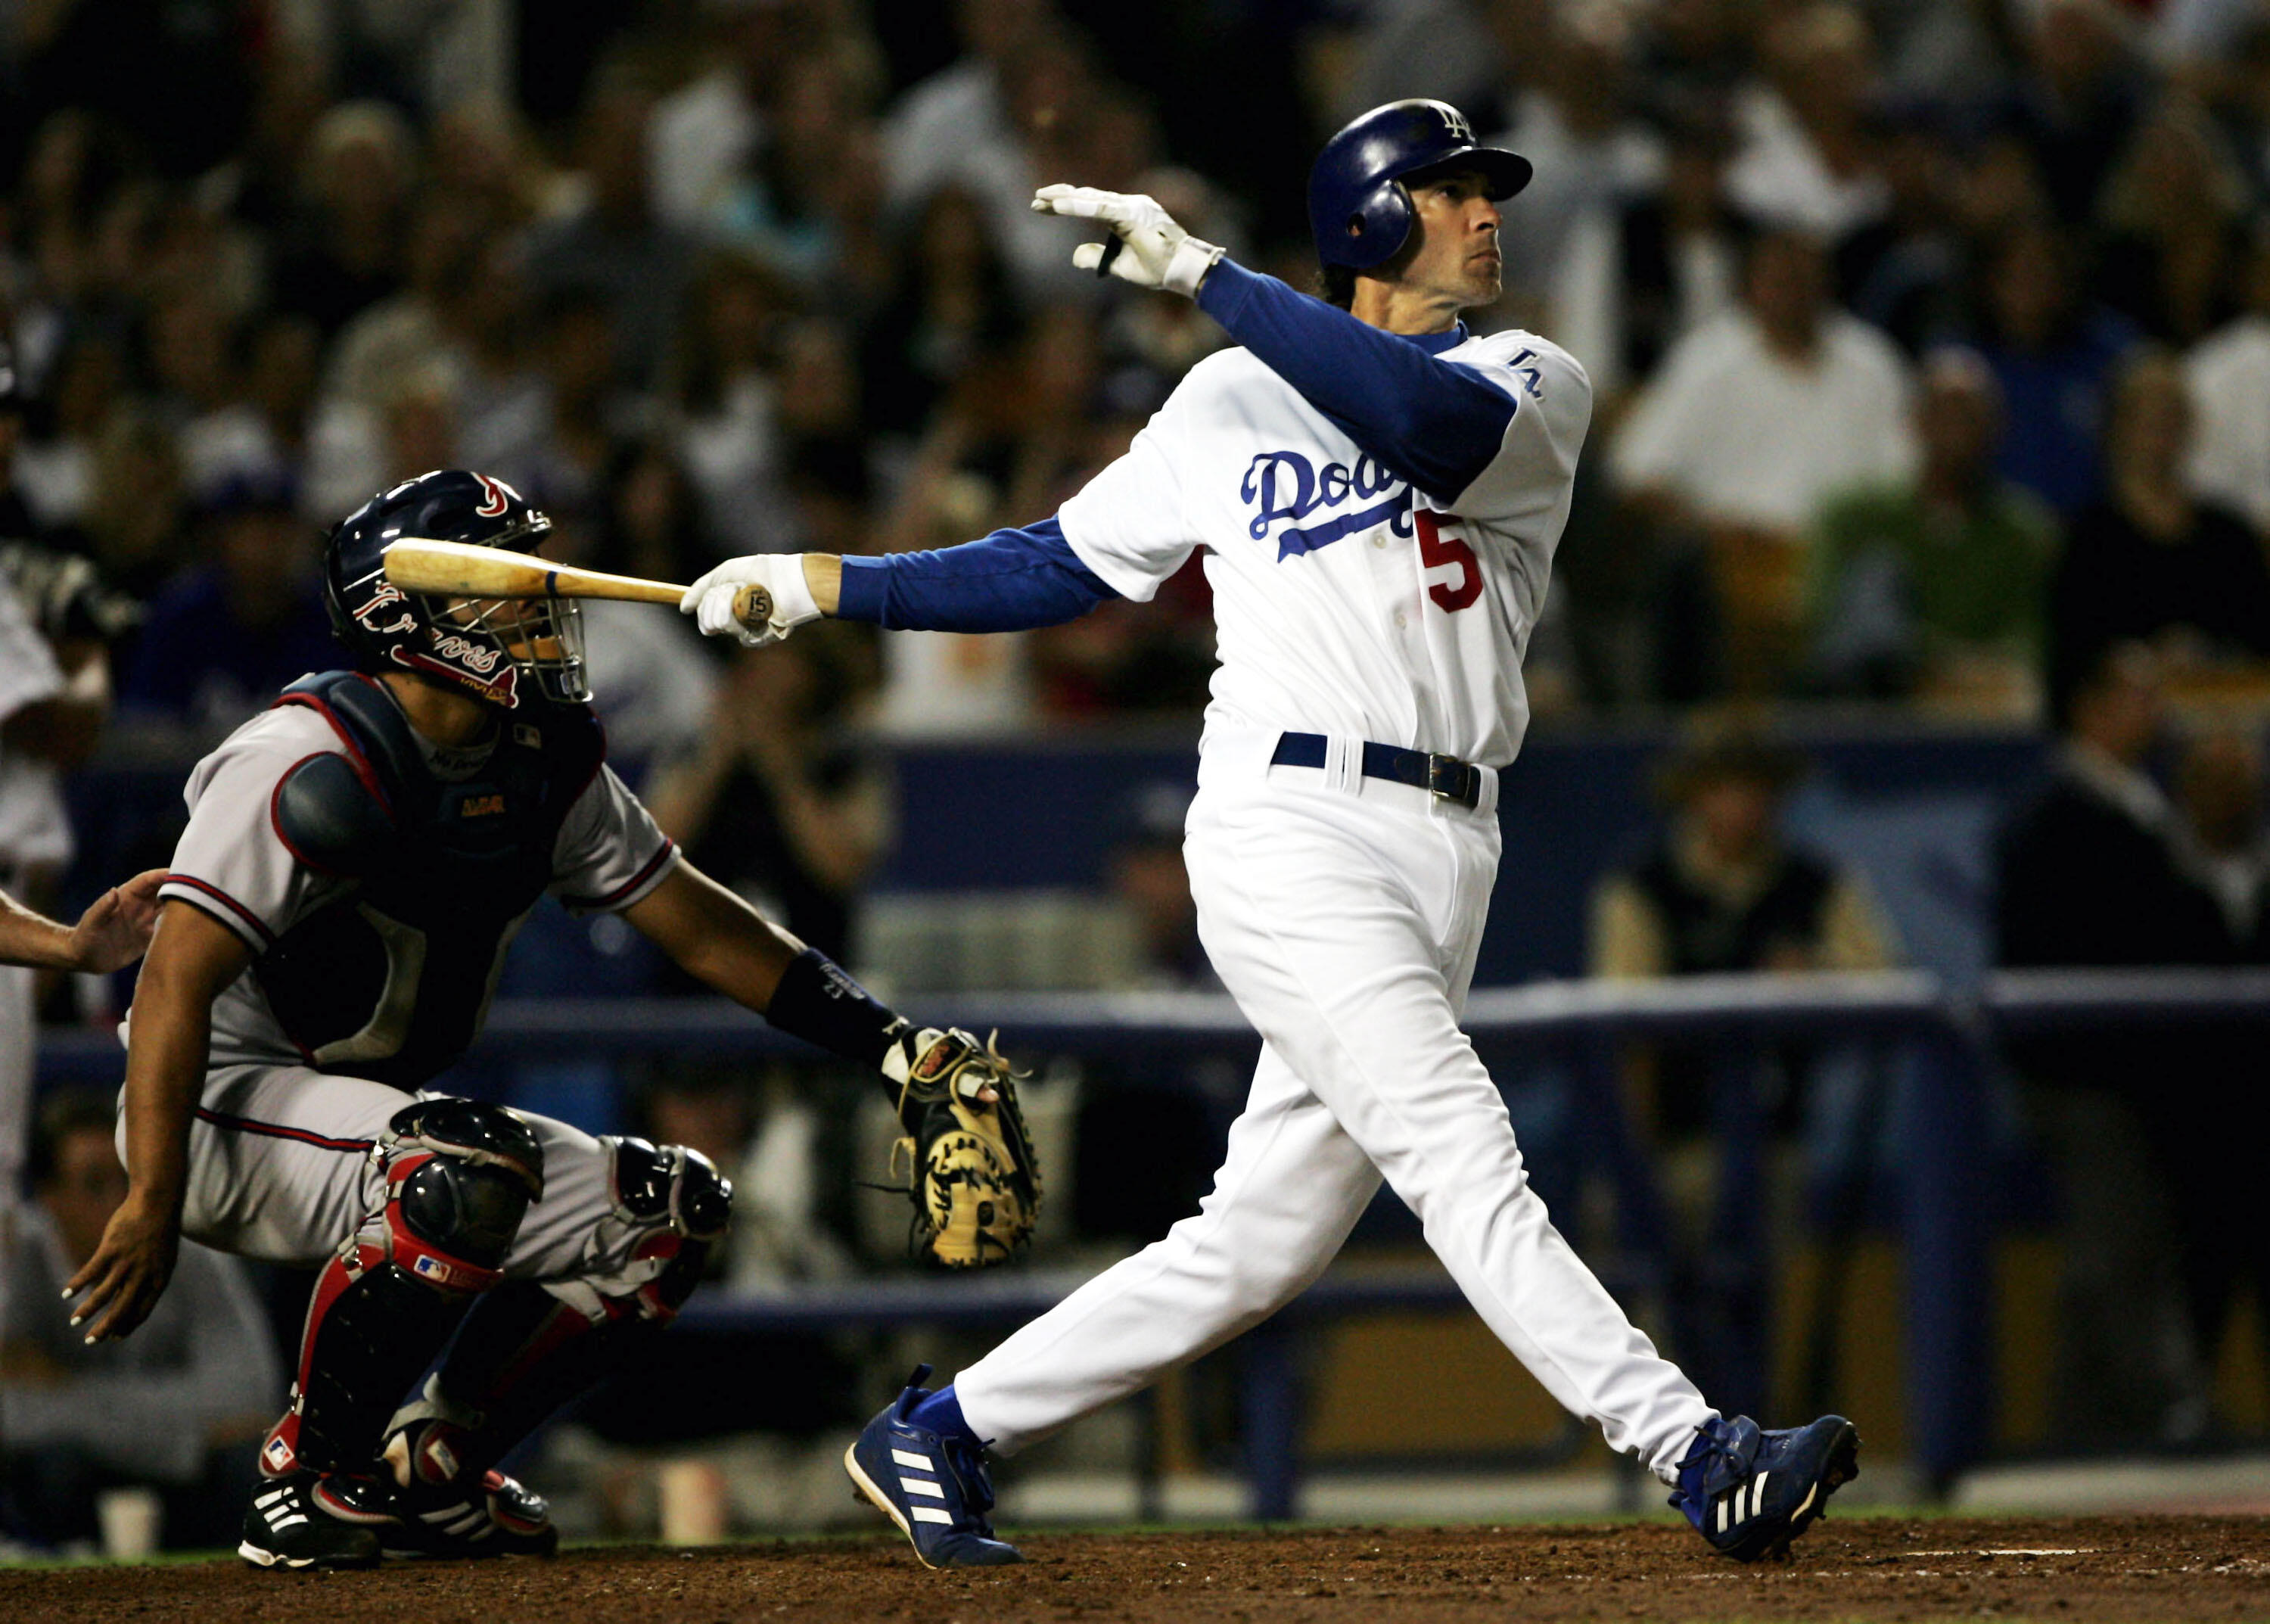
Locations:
column 1863, row 1568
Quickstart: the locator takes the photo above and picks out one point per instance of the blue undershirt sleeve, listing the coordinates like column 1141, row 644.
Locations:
column 1437, row 424
column 1011, row 581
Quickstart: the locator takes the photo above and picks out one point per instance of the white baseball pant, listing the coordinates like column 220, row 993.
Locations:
column 1344, row 914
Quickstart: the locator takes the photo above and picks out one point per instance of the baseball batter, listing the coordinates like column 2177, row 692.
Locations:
column 1379, row 494
column 356, row 862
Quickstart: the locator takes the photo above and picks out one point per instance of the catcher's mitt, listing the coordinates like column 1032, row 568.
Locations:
column 976, row 1186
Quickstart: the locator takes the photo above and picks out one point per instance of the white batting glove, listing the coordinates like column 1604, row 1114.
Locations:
column 711, row 599
column 1146, row 247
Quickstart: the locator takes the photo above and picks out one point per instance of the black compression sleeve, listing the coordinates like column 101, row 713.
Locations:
column 818, row 1002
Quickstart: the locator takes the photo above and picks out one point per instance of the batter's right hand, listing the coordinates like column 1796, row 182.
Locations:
column 786, row 605
column 128, row 1273
column 1147, row 248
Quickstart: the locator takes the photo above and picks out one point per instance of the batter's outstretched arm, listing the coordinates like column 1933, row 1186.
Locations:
column 192, row 959
column 1438, row 424
column 1011, row 581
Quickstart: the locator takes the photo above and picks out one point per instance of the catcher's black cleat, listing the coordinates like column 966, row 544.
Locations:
column 501, row 1516
column 934, row 1488
column 1750, row 1492
column 308, row 1520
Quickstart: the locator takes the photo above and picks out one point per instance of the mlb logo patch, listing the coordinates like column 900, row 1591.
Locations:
column 527, row 737
column 432, row 1269
column 279, row 1454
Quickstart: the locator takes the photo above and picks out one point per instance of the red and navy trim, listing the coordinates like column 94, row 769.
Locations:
column 630, row 887
column 277, row 1130
column 237, row 916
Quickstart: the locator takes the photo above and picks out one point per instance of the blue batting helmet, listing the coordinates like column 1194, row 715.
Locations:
column 487, row 647
column 1358, row 207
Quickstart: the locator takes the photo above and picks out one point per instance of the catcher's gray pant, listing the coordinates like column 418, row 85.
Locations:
column 1344, row 914
column 283, row 1167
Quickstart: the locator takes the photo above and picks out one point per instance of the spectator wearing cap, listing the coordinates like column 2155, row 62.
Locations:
column 1152, row 888
column 221, row 640
column 1724, row 890
column 179, row 1407
column 1932, row 588
column 2085, row 874
column 1180, row 1109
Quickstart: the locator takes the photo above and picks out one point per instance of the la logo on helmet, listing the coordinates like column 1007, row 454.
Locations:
column 1461, row 131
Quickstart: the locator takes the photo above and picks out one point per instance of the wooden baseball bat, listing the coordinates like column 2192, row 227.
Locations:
column 460, row 570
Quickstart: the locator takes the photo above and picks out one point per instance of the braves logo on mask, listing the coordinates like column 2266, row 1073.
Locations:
column 479, row 666
column 384, row 595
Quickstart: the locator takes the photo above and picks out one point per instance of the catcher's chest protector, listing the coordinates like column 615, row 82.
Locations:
column 391, row 980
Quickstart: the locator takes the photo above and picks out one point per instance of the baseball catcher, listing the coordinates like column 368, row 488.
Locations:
column 356, row 860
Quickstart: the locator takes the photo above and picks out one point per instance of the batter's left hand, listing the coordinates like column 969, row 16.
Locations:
column 1147, row 248
column 128, row 1273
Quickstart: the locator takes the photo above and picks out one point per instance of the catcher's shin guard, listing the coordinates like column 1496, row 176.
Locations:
column 528, row 1348
column 460, row 1175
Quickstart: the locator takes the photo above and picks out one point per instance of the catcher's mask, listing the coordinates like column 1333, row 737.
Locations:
column 488, row 645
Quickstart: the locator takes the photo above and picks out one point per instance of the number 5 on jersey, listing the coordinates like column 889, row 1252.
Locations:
column 1435, row 550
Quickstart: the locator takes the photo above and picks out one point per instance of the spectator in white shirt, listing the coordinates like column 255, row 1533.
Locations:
column 2230, row 378
column 1755, row 420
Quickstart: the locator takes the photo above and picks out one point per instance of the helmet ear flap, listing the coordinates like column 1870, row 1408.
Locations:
column 1379, row 228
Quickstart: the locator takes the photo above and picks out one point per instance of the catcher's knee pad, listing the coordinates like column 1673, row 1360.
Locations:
column 460, row 1175
column 530, row 1348
column 679, row 1204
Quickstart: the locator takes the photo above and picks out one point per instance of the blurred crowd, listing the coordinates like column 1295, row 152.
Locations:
column 1914, row 324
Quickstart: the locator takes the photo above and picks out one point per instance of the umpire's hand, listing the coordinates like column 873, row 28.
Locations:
column 128, row 1273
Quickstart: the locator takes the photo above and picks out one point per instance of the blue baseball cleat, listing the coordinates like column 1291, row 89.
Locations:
column 933, row 1487
column 1750, row 1492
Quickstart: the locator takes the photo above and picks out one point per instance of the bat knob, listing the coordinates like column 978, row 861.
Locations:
column 752, row 607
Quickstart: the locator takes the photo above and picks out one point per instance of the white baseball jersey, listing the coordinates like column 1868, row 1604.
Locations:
column 232, row 862
column 1345, row 602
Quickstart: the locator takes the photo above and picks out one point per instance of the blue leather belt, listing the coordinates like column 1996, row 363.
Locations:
column 1444, row 775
